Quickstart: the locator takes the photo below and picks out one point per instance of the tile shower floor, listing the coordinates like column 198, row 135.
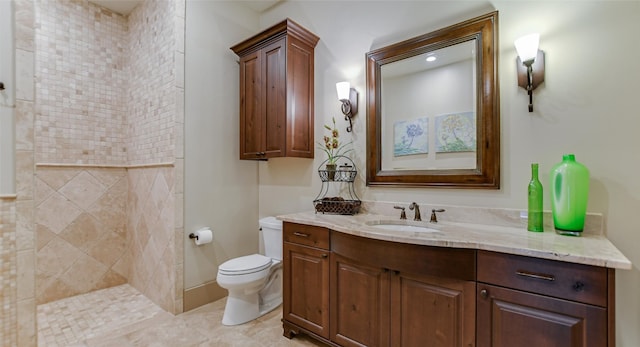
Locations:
column 121, row 316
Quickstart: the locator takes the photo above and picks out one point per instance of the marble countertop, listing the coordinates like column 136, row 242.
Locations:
column 590, row 249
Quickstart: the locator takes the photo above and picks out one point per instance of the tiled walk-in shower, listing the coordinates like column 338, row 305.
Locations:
column 121, row 316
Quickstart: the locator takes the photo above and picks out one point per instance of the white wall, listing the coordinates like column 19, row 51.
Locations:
column 587, row 106
column 221, row 191
column 7, row 157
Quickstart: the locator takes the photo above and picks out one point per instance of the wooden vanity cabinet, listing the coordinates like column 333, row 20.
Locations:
column 276, row 92
column 346, row 290
column 394, row 294
column 523, row 301
column 306, row 280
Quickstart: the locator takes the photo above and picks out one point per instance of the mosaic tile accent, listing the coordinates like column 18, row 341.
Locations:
column 121, row 316
column 8, row 309
column 81, row 230
column 70, row 321
column 152, row 81
column 80, row 83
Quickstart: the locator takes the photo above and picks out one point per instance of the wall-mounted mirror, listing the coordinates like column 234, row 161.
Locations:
column 433, row 109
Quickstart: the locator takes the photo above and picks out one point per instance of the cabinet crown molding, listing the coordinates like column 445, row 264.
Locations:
column 286, row 27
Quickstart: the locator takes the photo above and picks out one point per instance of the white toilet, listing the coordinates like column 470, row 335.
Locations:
column 254, row 281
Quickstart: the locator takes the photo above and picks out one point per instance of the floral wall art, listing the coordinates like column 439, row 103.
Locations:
column 456, row 132
column 411, row 137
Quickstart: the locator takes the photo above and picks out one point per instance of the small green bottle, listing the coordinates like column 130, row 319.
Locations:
column 534, row 211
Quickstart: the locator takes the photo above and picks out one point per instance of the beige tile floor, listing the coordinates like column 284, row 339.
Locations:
column 121, row 316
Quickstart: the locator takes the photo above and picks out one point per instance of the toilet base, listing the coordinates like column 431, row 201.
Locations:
column 242, row 308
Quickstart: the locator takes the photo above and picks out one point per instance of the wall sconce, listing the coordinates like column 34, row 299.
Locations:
column 349, row 98
column 530, row 58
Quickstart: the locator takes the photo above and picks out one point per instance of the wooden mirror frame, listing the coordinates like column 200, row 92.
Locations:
column 486, row 175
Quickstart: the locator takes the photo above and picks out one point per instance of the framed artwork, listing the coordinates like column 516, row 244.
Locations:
column 456, row 132
column 411, row 137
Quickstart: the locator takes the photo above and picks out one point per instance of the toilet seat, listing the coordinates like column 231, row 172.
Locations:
column 245, row 265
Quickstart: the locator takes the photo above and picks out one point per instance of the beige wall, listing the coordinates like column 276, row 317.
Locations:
column 587, row 106
column 221, row 191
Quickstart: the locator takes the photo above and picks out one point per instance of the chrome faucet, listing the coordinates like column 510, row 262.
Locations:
column 416, row 216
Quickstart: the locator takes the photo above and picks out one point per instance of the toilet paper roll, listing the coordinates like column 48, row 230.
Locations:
column 203, row 236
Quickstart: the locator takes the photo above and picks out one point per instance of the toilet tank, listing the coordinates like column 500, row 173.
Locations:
column 272, row 237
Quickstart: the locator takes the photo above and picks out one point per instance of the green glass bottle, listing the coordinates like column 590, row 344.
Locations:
column 534, row 211
column 569, row 195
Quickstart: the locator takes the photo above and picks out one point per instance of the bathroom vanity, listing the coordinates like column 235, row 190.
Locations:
column 349, row 282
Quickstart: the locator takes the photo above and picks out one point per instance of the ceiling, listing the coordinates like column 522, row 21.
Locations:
column 125, row 7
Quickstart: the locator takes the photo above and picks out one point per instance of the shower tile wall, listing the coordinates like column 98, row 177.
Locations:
column 106, row 156
column 152, row 239
column 154, row 205
column 81, row 233
column 72, row 103
column 79, row 129
column 80, row 84
column 21, row 211
column 8, row 272
column 151, row 98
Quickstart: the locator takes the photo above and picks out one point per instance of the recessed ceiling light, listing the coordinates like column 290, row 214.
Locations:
column 431, row 58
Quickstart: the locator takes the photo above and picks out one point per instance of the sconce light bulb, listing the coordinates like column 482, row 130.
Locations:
column 527, row 48
column 343, row 90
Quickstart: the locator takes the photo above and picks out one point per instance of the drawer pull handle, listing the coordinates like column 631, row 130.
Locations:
column 300, row 234
column 578, row 286
column 537, row 276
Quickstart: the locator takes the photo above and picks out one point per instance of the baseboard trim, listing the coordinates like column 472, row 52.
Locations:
column 202, row 295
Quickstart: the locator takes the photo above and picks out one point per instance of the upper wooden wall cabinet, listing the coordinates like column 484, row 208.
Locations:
column 276, row 92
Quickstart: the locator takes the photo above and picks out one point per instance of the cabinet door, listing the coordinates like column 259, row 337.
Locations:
column 306, row 288
column 300, row 99
column 359, row 303
column 514, row 318
column 274, row 96
column 251, row 114
column 432, row 311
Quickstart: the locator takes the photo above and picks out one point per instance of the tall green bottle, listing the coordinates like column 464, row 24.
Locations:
column 569, row 195
column 534, row 211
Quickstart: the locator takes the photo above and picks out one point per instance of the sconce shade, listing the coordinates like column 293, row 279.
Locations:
column 349, row 98
column 343, row 90
column 530, row 59
column 527, row 47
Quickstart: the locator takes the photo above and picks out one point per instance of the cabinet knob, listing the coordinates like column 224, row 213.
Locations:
column 484, row 293
column 324, row 255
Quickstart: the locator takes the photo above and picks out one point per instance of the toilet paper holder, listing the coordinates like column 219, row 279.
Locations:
column 202, row 236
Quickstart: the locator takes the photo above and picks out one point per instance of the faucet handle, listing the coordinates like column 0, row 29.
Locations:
column 434, row 218
column 403, row 215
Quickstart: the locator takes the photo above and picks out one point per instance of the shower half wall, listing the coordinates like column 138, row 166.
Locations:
column 106, row 126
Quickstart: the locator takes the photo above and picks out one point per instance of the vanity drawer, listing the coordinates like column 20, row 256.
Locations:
column 307, row 235
column 577, row 282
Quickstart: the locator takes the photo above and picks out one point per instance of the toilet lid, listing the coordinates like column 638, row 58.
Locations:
column 245, row 265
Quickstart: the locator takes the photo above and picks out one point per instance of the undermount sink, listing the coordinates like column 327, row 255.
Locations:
column 402, row 225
